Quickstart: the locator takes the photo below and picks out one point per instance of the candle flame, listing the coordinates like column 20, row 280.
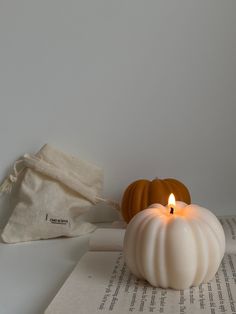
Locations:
column 171, row 200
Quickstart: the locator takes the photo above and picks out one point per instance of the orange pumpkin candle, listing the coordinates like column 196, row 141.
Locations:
column 143, row 193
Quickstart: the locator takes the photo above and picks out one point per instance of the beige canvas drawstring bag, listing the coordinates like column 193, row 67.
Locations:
column 55, row 191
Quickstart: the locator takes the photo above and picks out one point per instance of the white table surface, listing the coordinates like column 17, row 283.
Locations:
column 31, row 273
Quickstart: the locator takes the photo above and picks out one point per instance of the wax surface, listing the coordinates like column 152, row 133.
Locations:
column 176, row 250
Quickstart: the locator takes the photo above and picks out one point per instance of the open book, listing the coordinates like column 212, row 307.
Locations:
column 101, row 283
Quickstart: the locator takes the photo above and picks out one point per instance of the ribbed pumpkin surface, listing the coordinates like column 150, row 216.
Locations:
column 176, row 251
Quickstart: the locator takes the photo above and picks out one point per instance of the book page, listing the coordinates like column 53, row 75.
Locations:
column 101, row 283
column 107, row 239
column 229, row 226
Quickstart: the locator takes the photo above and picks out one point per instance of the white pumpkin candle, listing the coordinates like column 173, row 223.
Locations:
column 176, row 246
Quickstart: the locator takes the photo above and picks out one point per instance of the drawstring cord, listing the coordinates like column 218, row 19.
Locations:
column 109, row 202
column 7, row 184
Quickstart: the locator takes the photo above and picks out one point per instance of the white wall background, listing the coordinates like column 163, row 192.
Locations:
column 141, row 88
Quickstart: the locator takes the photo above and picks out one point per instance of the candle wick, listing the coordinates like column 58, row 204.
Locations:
column 172, row 210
